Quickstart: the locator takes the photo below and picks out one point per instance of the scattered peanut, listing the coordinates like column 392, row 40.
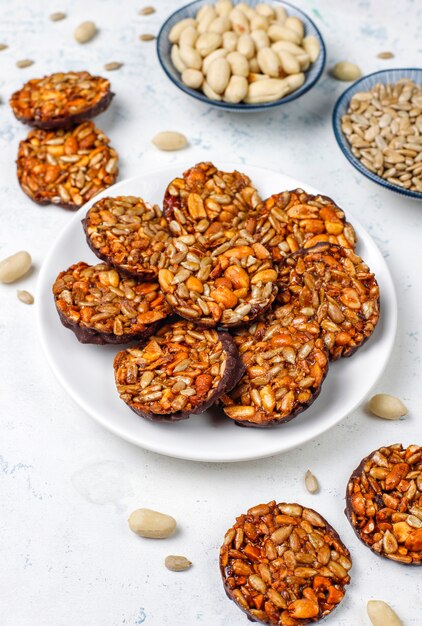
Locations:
column 25, row 297
column 152, row 524
column 85, row 32
column 14, row 267
column 170, row 140
column 177, row 563
column 311, row 482
column 57, row 16
column 346, row 71
column 24, row 63
column 225, row 43
column 114, row 65
column 386, row 406
column 381, row 614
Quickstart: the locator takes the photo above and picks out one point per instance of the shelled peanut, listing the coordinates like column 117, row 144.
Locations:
column 236, row 53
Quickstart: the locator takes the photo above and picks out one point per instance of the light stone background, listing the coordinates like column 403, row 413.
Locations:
column 66, row 485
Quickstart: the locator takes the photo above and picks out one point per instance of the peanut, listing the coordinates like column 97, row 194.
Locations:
column 192, row 78
column 238, row 64
column 236, row 90
column 381, row 614
column 218, row 75
column 151, row 524
column 386, row 406
column 14, row 267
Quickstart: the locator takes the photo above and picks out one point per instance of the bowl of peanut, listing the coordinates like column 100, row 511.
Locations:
column 245, row 56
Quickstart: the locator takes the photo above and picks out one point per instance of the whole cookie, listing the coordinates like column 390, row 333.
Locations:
column 61, row 100
column 66, row 168
column 182, row 369
column 384, row 503
column 283, row 564
column 334, row 287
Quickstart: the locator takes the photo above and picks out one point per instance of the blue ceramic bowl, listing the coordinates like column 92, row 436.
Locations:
column 365, row 84
column 190, row 10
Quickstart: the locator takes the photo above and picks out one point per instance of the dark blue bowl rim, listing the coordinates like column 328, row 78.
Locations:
column 344, row 146
column 244, row 107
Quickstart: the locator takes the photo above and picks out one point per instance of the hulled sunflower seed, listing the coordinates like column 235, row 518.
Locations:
column 147, row 37
column 311, row 482
column 385, row 55
column 114, row 65
column 3, row 46
column 25, row 297
column 386, row 406
column 24, row 63
column 177, row 563
column 147, row 11
column 57, row 16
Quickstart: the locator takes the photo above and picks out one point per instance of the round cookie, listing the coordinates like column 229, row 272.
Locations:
column 333, row 286
column 285, row 369
column 129, row 234
column 102, row 306
column 283, row 564
column 384, row 503
column 61, row 100
column 66, row 168
column 291, row 220
column 181, row 370
column 207, row 202
column 227, row 286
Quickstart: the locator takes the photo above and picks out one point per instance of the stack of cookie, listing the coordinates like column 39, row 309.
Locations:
column 66, row 160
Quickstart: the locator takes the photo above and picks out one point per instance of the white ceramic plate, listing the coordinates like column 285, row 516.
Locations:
column 86, row 371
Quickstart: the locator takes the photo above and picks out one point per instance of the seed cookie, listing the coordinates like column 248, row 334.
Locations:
column 384, row 503
column 129, row 234
column 291, row 220
column 285, row 369
column 102, row 306
column 182, row 369
column 66, row 168
column 283, row 564
column 207, row 202
column 227, row 286
column 333, row 286
column 61, row 100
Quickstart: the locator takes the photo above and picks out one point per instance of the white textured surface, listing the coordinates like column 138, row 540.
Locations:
column 66, row 485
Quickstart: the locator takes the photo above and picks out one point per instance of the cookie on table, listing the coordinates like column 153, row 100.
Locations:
column 283, row 564
column 207, row 202
column 288, row 221
column 61, row 100
column 384, row 503
column 66, row 167
column 226, row 286
column 181, row 370
column 285, row 369
column 102, row 306
column 129, row 234
column 333, row 286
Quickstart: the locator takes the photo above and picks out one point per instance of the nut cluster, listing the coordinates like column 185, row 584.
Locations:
column 291, row 220
column 66, row 167
column 384, row 503
column 384, row 129
column 207, row 201
column 237, row 53
column 181, row 370
column 128, row 233
column 61, row 99
column 283, row 564
column 332, row 286
column 102, row 306
column 285, row 369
